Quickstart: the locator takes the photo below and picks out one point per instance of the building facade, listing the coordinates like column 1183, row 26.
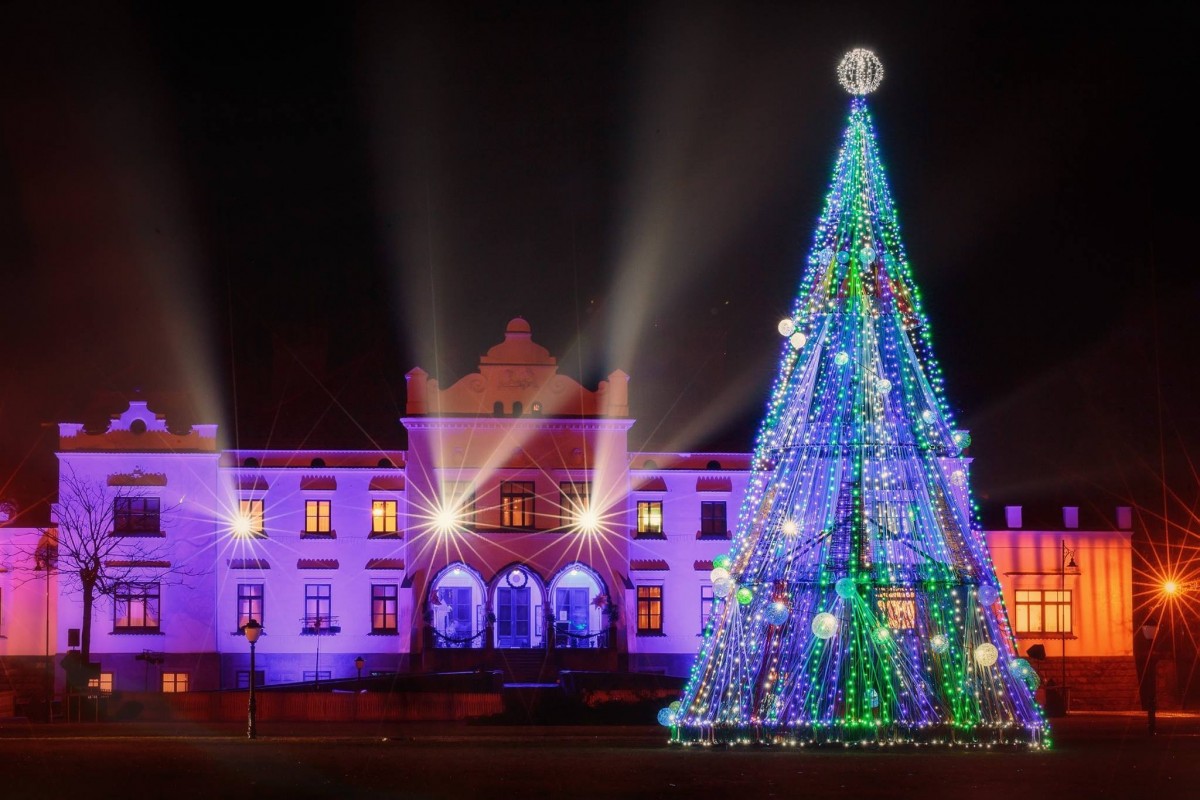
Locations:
column 516, row 532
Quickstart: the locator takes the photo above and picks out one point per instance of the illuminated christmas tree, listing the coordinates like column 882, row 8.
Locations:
column 859, row 603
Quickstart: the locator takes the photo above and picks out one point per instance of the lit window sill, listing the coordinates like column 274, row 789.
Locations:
column 385, row 535
column 137, row 632
column 384, row 633
column 140, row 534
column 655, row 634
column 650, row 535
column 318, row 534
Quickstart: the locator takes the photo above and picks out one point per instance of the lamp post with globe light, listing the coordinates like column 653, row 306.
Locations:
column 252, row 630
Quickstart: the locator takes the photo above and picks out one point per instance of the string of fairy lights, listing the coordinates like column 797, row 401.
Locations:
column 859, row 604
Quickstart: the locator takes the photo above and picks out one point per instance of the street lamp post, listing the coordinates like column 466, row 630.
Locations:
column 358, row 665
column 252, row 630
column 1065, row 562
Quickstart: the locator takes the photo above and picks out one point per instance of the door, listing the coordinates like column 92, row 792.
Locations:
column 512, row 616
column 571, row 616
column 456, row 626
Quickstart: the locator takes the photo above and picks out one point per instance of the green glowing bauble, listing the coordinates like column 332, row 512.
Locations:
column 845, row 588
column 939, row 643
column 824, row 625
column 722, row 561
column 745, row 596
column 881, row 635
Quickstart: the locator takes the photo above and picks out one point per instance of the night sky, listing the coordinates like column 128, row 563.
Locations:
column 264, row 218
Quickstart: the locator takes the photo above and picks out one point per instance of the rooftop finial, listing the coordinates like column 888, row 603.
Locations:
column 860, row 72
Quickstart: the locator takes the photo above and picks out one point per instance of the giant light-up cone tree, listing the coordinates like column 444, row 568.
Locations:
column 859, row 603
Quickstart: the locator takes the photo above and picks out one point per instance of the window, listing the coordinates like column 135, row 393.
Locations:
column 458, row 499
column 649, row 609
column 101, row 686
column 136, row 515
column 712, row 519
column 318, row 605
column 316, row 677
column 383, row 517
column 898, row 606
column 251, row 512
column 575, row 499
column 706, row 606
column 384, row 599
column 174, row 681
column 1044, row 611
column 316, row 517
column 243, row 678
column 516, row 504
column 249, row 604
column 649, row 517
column 135, row 607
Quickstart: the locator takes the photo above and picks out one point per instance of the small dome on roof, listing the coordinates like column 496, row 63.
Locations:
column 517, row 325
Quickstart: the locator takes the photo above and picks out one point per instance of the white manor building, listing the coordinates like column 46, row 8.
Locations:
column 516, row 532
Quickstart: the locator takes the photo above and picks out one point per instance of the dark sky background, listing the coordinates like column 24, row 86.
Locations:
column 268, row 216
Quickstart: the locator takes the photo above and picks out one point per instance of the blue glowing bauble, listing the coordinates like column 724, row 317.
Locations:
column 958, row 478
column 797, row 340
column 776, row 613
column 873, row 698
column 824, row 625
column 883, row 385
column 986, row 654
column 1020, row 668
column 842, row 359
column 1032, row 680
column 867, row 255
column 988, row 594
column 843, row 257
column 745, row 596
column 666, row 717
column 824, row 256
column 722, row 561
column 718, row 573
column 723, row 587
column 939, row 643
column 889, row 260
column 963, row 439
column 845, row 588
column 927, row 415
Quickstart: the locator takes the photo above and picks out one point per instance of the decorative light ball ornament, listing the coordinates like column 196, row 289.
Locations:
column 842, row 359
column 986, row 654
column 962, row 439
column 722, row 561
column 873, row 698
column 867, row 255
column 939, row 643
column 786, row 327
column 988, row 594
column 860, row 72
column 797, row 340
column 675, row 706
column 843, row 257
column 883, row 385
column 776, row 613
column 958, row 478
column 745, row 595
column 717, row 574
column 824, row 625
column 723, row 587
column 927, row 415
column 845, row 588
column 1020, row 668
column 824, row 256
column 666, row 717
column 881, row 635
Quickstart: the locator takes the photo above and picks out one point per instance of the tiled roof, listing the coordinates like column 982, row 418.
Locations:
column 248, row 563
column 385, row 563
column 651, row 485
column 648, row 565
column 387, row 483
column 317, row 563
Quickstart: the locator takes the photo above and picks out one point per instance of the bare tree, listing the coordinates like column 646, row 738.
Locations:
column 104, row 543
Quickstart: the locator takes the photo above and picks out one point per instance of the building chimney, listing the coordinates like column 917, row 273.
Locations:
column 1012, row 517
column 1070, row 516
column 1124, row 518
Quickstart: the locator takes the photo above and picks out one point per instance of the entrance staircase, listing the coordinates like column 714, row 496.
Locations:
column 526, row 666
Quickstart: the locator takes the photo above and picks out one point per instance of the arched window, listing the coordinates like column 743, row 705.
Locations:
column 579, row 604
column 456, row 608
column 714, row 464
column 250, row 463
column 317, row 462
column 497, row 409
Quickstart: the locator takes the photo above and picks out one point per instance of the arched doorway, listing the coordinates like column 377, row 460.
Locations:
column 518, row 599
column 456, row 602
column 579, row 599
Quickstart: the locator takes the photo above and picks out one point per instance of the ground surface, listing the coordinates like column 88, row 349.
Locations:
column 1094, row 756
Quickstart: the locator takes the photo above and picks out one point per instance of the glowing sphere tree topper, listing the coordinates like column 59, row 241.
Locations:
column 860, row 72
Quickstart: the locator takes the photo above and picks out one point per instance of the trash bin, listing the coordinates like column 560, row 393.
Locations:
column 1058, row 700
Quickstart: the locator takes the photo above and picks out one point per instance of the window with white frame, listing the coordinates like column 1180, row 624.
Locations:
column 384, row 608
column 249, row 604
column 706, row 606
column 1047, row 611
column 136, row 516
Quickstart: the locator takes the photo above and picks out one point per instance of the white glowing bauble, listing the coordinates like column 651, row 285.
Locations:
column 825, row 255
column 776, row 613
column 927, row 415
column 845, row 588
column 867, row 255
column 723, row 587
column 789, row 527
column 988, row 594
column 786, row 327
column 958, row 478
column 986, row 654
column 883, row 385
column 841, row 359
column 718, row 574
column 824, row 625
column 939, row 643
column 797, row 339
column 860, row 72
